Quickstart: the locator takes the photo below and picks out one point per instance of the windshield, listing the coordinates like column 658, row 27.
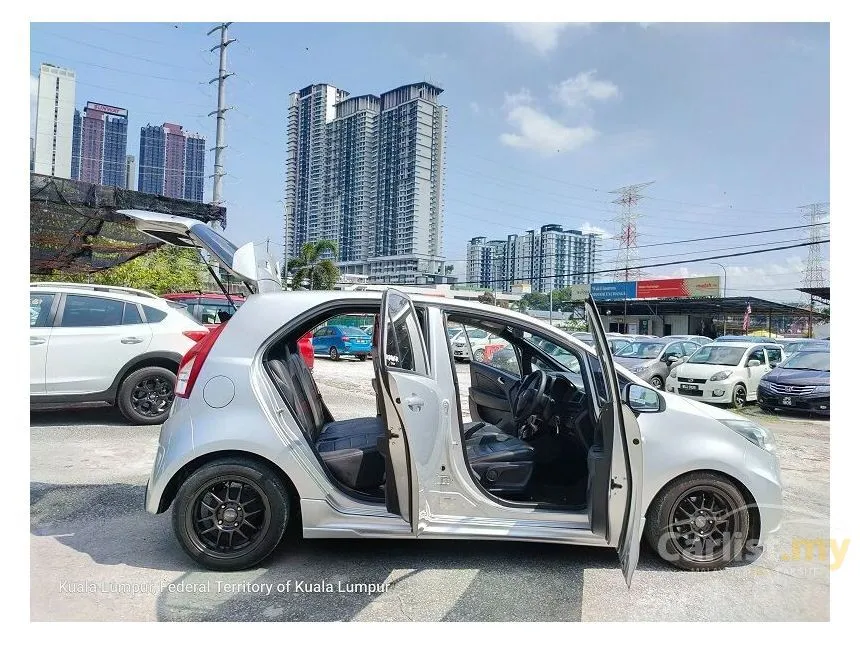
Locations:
column 563, row 356
column 819, row 361
column 718, row 355
column 641, row 349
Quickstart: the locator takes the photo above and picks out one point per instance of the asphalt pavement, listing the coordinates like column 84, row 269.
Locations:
column 96, row 555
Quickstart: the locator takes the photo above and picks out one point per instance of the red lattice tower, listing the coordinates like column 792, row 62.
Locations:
column 627, row 235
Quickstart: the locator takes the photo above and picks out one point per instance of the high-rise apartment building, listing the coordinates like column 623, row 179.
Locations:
column 552, row 258
column 367, row 172
column 99, row 142
column 55, row 116
column 171, row 162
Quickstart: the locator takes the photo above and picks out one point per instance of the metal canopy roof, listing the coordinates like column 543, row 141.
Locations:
column 818, row 292
column 74, row 225
column 734, row 306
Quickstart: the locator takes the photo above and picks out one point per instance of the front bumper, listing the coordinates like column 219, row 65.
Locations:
column 462, row 352
column 708, row 392
column 815, row 403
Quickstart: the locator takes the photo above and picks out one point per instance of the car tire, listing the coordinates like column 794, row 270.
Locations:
column 333, row 354
column 479, row 355
column 739, row 396
column 146, row 395
column 246, row 490
column 361, row 357
column 656, row 382
column 695, row 496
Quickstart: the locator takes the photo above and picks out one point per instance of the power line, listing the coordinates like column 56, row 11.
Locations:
column 112, row 69
column 658, row 264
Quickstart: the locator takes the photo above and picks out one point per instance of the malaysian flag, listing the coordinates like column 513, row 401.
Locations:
column 747, row 318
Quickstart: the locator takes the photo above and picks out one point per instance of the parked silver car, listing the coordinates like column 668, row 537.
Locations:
column 652, row 359
column 593, row 458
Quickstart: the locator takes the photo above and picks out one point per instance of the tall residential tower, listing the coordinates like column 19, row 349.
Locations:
column 55, row 115
column 99, row 141
column 171, row 162
column 367, row 171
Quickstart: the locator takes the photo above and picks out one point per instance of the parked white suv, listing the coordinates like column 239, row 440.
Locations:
column 727, row 372
column 112, row 344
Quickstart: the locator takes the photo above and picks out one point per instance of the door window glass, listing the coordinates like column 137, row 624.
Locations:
column 404, row 347
column 774, row 356
column 40, row 309
column 131, row 315
column 757, row 355
column 673, row 349
column 89, row 311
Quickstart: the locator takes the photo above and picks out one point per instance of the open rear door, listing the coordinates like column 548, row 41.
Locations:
column 623, row 513
column 244, row 262
column 409, row 399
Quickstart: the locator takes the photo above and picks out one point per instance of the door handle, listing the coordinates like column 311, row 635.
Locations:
column 415, row 403
column 131, row 340
column 38, row 340
column 500, row 381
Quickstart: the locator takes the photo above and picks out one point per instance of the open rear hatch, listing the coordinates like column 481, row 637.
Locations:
column 258, row 271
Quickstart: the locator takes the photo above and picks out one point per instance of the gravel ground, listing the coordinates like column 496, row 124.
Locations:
column 95, row 555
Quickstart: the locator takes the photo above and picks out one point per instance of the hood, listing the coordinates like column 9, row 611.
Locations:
column 787, row 376
column 630, row 361
column 700, row 370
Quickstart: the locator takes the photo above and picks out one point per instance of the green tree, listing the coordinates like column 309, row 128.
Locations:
column 311, row 269
column 166, row 269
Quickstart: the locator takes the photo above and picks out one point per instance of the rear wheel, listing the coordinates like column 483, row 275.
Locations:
column 145, row 395
column 699, row 522
column 739, row 396
column 333, row 354
column 231, row 513
column 361, row 357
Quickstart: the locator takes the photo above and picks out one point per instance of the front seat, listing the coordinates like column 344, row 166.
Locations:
column 501, row 462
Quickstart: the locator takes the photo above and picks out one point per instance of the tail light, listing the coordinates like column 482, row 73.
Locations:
column 196, row 335
column 192, row 362
column 344, row 338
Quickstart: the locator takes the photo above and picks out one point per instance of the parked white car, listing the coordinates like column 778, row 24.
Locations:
column 726, row 372
column 478, row 339
column 112, row 344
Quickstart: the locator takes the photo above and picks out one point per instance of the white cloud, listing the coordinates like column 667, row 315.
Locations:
column 584, row 87
column 538, row 131
column 476, row 109
column 588, row 227
column 522, row 97
column 542, row 36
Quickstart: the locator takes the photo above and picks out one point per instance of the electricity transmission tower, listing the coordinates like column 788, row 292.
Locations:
column 815, row 275
column 627, row 236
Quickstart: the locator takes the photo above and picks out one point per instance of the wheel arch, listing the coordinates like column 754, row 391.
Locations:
column 167, row 360
column 749, row 498
column 172, row 487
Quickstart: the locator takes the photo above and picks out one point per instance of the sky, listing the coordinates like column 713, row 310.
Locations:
column 730, row 121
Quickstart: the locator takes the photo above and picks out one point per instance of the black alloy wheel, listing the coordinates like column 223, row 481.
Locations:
column 146, row 395
column 656, row 382
column 333, row 354
column 739, row 396
column 700, row 522
column 231, row 513
column 361, row 357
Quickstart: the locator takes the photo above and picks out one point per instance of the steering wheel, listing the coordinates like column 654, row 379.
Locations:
column 531, row 396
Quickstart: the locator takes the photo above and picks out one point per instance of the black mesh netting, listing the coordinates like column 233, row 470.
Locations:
column 74, row 225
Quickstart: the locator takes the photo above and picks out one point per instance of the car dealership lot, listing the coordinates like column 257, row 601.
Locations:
column 96, row 555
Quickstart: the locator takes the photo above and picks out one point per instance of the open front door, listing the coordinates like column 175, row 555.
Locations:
column 620, row 512
column 409, row 398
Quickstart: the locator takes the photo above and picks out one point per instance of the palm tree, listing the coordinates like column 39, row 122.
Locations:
column 310, row 270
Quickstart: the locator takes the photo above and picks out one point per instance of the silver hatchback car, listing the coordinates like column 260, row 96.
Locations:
column 586, row 456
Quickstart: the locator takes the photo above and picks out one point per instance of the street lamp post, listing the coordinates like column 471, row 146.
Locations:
column 725, row 280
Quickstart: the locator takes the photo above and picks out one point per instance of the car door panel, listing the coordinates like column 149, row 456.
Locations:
column 615, row 495
column 490, row 394
column 85, row 359
column 43, row 307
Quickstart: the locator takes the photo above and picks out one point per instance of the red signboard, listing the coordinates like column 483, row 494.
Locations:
column 678, row 287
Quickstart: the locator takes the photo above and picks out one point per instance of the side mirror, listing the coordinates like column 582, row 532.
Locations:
column 672, row 358
column 753, row 363
column 643, row 399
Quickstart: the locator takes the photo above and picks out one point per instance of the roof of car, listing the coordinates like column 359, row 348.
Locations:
column 102, row 291
column 742, row 343
column 194, row 294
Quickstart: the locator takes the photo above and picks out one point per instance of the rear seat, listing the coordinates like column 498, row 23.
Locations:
column 347, row 447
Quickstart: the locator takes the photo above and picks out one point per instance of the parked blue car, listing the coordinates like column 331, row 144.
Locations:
column 335, row 341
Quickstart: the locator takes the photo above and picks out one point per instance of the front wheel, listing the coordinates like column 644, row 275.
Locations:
column 699, row 522
column 145, row 395
column 656, row 382
column 231, row 513
column 479, row 355
column 739, row 396
column 333, row 354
